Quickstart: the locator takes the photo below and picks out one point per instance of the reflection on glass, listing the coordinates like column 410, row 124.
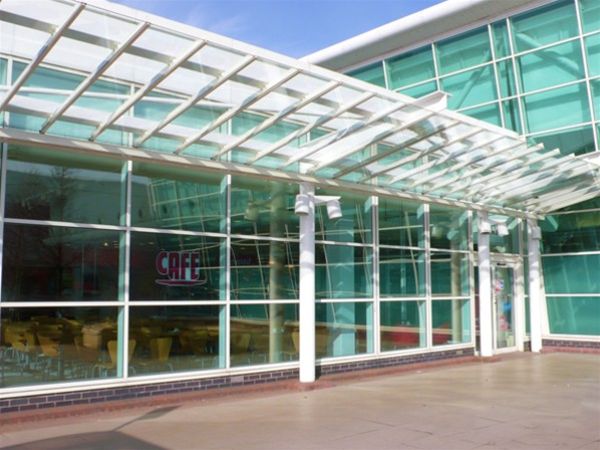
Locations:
column 168, row 198
column 402, row 325
column 401, row 272
column 176, row 267
column 451, row 320
column 343, row 271
column 175, row 339
column 354, row 225
column 400, row 223
column 62, row 188
column 504, row 306
column 50, row 345
column 509, row 243
column 571, row 274
column 343, row 329
column 574, row 315
column 448, row 228
column 42, row 263
column 263, row 270
column 566, row 233
column 371, row 74
column 262, row 334
column 449, row 274
column 263, row 208
column 465, row 50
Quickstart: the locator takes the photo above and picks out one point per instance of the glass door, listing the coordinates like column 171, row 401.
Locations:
column 503, row 295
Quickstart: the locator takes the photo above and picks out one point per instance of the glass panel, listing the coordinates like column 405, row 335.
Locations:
column 50, row 345
column 263, row 208
column 551, row 66
column 575, row 140
column 595, row 85
column 262, row 334
column 545, row 25
column 401, row 272
column 512, row 118
column 262, row 270
column 410, row 68
column 420, row 90
column 450, row 274
column 567, row 233
column 343, row 271
column 503, row 295
column 470, row 88
column 506, row 78
column 557, row 108
column 400, row 223
column 176, row 267
column 44, row 263
column 509, row 243
column 175, row 339
column 448, row 228
column 402, row 325
column 355, row 223
column 465, row 50
column 501, row 45
column 46, row 185
column 164, row 197
column 343, row 329
column 571, row 274
column 590, row 15
column 574, row 315
column 371, row 74
column 488, row 113
column 451, row 321
column 3, row 67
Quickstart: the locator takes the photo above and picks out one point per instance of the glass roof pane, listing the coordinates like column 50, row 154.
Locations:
column 163, row 42
column 99, row 23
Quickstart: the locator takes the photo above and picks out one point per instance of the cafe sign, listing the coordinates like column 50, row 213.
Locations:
column 179, row 268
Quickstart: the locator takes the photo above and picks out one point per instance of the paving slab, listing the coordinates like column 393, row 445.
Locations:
column 522, row 401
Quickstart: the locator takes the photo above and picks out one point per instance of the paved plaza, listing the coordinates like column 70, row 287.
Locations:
column 523, row 401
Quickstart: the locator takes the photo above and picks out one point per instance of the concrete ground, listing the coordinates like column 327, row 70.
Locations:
column 523, row 401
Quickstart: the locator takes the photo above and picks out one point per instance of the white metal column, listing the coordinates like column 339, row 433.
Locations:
column 535, row 291
column 485, row 287
column 307, row 288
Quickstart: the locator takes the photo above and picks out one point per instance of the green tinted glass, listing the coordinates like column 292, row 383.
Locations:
column 355, row 223
column 402, row 325
column 506, row 78
column 551, row 66
column 568, row 233
column 576, row 140
column 488, row 113
column 371, row 74
column 3, row 66
column 450, row 274
column 420, row 90
column 263, row 334
column 501, row 44
column 400, row 223
column 574, row 315
column 509, row 243
column 410, row 68
column 592, row 46
column 557, row 108
column 590, row 15
column 343, row 271
column 401, row 272
column 343, row 329
column 451, row 321
column 470, row 88
column 571, row 274
column 512, row 118
column 448, row 228
column 466, row 50
column 543, row 26
column 264, row 270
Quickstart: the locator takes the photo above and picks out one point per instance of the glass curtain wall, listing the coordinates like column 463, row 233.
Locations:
column 537, row 73
column 118, row 269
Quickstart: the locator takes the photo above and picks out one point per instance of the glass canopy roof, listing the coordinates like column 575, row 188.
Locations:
column 123, row 79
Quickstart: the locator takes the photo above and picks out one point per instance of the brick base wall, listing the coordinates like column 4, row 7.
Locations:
column 97, row 396
column 559, row 345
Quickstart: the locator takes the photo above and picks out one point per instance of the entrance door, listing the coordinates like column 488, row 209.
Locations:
column 504, row 307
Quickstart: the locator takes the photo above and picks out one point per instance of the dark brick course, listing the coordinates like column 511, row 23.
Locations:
column 41, row 402
column 573, row 346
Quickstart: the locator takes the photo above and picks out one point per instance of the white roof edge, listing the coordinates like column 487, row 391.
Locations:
column 418, row 27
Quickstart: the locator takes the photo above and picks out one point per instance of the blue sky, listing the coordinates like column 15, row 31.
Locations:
column 292, row 27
